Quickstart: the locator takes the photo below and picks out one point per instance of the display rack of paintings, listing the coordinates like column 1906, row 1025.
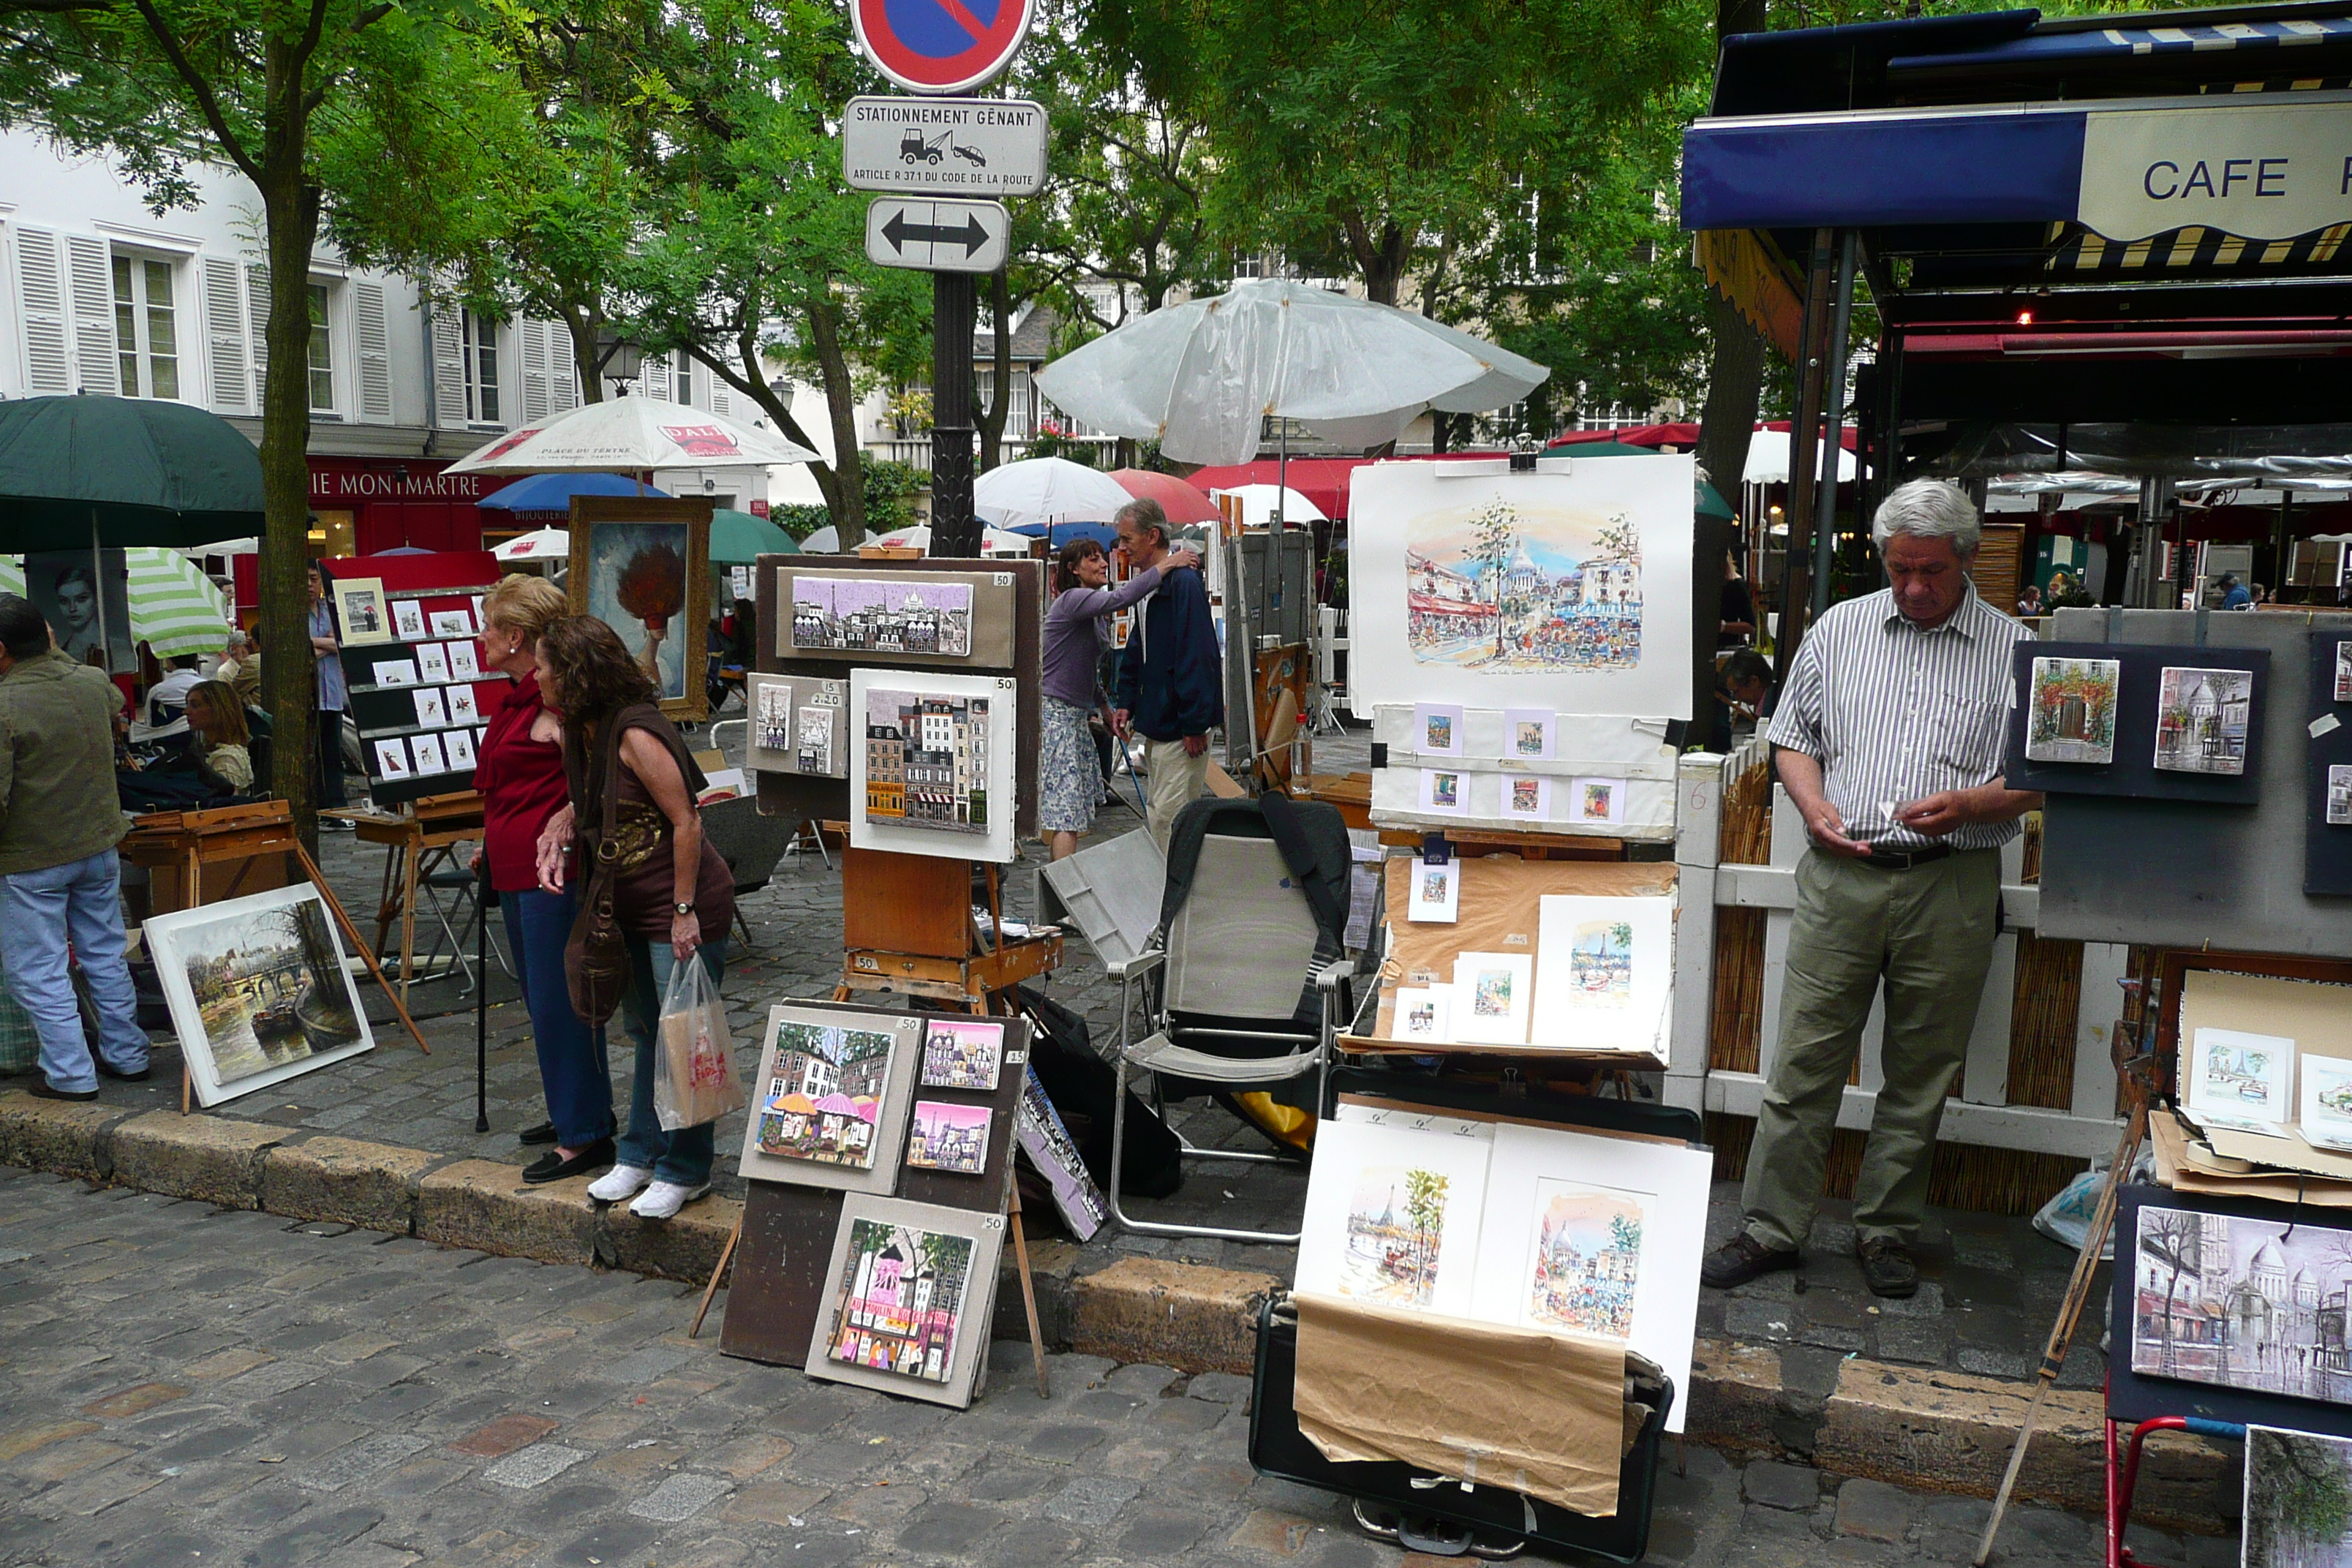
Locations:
column 2328, row 821
column 1513, row 1223
column 1533, row 769
column 641, row 566
column 932, row 770
column 909, row 1289
column 417, row 693
column 2146, row 721
column 800, row 724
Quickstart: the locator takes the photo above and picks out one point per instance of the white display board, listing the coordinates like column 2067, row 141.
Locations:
column 1564, row 591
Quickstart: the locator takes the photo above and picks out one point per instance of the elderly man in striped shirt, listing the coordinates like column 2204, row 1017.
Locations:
column 1888, row 739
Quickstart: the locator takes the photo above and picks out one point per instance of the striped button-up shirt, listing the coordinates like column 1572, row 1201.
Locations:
column 1894, row 712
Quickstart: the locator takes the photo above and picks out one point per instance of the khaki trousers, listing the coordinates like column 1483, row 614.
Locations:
column 1928, row 933
column 1176, row 781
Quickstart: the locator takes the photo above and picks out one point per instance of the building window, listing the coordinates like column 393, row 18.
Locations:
column 683, row 370
column 480, row 338
column 145, row 335
column 322, row 355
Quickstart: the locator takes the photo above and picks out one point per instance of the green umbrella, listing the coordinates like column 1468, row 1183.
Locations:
column 122, row 471
column 739, row 538
column 1710, row 503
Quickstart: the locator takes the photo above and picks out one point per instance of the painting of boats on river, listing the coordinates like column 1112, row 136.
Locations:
column 259, row 990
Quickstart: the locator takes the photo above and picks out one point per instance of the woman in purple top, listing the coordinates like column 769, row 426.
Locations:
column 1077, row 630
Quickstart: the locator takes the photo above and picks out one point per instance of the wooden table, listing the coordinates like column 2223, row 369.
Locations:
column 416, row 843
column 255, row 839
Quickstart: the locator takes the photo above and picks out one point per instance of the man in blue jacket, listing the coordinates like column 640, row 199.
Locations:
column 1171, row 675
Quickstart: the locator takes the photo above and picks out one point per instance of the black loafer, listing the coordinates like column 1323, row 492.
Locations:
column 1887, row 1269
column 554, row 1167
column 40, row 1089
column 105, row 1070
column 1740, row 1259
column 542, row 1133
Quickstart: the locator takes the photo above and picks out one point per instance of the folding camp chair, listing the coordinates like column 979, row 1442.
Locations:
column 1251, row 983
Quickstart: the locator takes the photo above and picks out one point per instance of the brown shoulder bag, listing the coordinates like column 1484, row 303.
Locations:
column 596, row 959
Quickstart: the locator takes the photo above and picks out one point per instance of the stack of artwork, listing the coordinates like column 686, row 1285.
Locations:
column 1599, row 979
column 1510, row 1222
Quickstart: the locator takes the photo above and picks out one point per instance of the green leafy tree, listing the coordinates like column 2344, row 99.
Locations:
column 373, row 121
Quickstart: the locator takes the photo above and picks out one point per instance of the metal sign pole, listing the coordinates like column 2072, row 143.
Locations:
column 955, row 531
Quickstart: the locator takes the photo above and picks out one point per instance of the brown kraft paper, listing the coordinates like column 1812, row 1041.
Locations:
column 1527, row 1410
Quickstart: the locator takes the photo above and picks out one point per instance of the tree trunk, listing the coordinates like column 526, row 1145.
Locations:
column 990, row 421
column 583, row 322
column 847, row 498
column 289, row 669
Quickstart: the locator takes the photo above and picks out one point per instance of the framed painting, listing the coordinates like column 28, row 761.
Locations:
column 643, row 567
column 259, row 989
column 932, row 766
column 1047, row 1141
column 909, row 1293
column 829, row 1106
column 85, row 595
column 362, row 614
column 1604, row 972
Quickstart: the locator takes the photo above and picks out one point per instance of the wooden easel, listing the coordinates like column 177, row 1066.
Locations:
column 917, row 899
column 435, row 826
column 191, row 840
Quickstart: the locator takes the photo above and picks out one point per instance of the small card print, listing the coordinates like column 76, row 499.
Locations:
column 407, row 620
column 960, row 1053
column 430, row 758
column 1529, row 733
column 2327, row 1102
column 461, row 706
column 434, row 660
column 2339, row 796
column 459, row 745
column 2202, row 719
column 1491, row 997
column 462, row 662
column 1600, row 800
column 1527, row 797
column 1445, row 791
column 1421, row 1014
column 1437, row 729
column 452, row 623
column 2343, row 672
column 2238, row 1080
column 947, row 1137
column 1436, row 894
column 396, row 672
column 392, row 759
column 431, row 712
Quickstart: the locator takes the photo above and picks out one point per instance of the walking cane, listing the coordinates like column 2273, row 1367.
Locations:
column 482, row 994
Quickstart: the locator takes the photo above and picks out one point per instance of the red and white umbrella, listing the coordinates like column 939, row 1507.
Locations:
column 539, row 544
column 630, row 435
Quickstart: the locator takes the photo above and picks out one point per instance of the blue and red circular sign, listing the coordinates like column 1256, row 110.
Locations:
column 941, row 46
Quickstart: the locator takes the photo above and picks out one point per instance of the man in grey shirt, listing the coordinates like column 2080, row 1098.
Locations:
column 1888, row 739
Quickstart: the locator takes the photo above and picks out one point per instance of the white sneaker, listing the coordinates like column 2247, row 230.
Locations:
column 620, row 1182
column 664, row 1199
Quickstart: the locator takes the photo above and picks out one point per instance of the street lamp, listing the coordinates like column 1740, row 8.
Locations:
column 618, row 359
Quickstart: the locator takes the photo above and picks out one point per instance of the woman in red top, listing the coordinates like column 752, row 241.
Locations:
column 519, row 768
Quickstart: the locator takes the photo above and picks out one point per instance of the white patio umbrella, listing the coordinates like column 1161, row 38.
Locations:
column 825, row 541
column 1200, row 378
column 1767, row 460
column 539, row 544
column 629, row 435
column 992, row 540
column 1258, row 504
column 1046, row 490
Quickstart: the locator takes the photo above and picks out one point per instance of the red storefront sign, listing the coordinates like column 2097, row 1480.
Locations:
column 398, row 501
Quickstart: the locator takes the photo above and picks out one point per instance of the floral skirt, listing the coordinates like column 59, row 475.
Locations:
column 1069, row 782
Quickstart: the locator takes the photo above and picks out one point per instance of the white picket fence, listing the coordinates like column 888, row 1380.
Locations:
column 1981, row 1115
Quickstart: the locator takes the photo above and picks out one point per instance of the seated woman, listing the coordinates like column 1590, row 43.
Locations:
column 219, row 737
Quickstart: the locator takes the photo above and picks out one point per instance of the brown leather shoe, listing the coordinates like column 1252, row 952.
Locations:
column 1887, row 1268
column 1743, row 1259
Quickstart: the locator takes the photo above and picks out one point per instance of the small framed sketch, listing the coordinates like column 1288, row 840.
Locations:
column 430, row 711
column 946, row 1136
column 462, row 662
column 2202, row 719
column 451, row 623
column 1423, row 1014
column 1437, row 729
column 432, row 662
column 359, row 611
column 2327, row 1102
column 393, row 672
column 2343, row 672
column 829, row 1107
column 458, row 745
column 2339, row 793
column 2238, row 1080
column 1436, row 894
column 1600, row 800
column 430, row 758
column 908, row 1293
column 963, row 1053
column 1492, row 997
column 392, row 759
column 462, row 710
column 1527, row 797
column 1444, row 791
column 407, row 620
column 1530, row 735
column 2071, row 711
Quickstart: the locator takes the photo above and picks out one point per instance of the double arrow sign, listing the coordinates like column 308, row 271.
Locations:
column 936, row 235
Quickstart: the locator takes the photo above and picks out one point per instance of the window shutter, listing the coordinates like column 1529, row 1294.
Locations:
column 49, row 354
column 535, row 398
column 225, row 332
column 91, row 266
column 257, row 295
column 375, row 353
column 562, row 373
column 652, row 377
column 448, row 368
column 722, row 396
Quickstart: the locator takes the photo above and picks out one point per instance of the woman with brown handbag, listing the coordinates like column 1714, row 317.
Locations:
column 657, row 894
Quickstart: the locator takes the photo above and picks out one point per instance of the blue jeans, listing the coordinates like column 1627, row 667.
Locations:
column 683, row 1156
column 573, row 1069
column 79, row 901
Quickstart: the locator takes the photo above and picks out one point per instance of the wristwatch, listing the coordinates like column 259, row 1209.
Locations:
column 682, row 909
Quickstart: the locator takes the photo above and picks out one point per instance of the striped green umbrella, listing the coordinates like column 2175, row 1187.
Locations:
column 174, row 607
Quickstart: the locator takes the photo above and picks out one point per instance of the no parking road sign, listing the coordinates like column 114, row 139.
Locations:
column 941, row 46
column 937, row 235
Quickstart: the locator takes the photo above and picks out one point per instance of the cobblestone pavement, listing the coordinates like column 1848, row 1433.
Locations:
column 181, row 1384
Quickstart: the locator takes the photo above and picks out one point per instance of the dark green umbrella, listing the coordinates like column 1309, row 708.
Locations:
column 739, row 538
column 1710, row 503
column 119, row 472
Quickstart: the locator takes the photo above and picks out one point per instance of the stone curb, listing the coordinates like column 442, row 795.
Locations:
column 1912, row 1426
